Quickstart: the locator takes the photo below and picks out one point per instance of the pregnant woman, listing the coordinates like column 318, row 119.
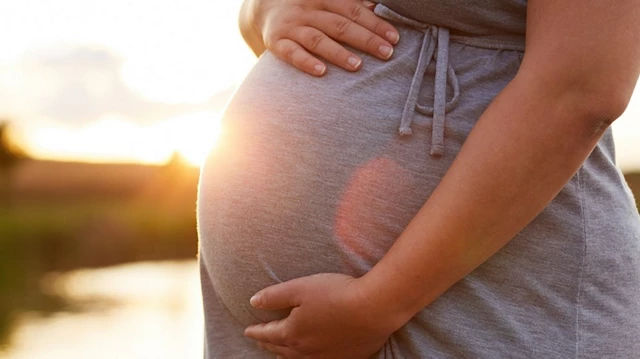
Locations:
column 456, row 197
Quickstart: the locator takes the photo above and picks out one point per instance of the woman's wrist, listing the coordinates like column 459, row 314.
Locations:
column 392, row 308
column 247, row 23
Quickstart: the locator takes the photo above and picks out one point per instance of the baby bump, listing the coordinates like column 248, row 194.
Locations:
column 303, row 182
column 310, row 174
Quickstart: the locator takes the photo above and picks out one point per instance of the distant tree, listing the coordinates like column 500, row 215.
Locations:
column 10, row 155
column 173, row 170
column 176, row 160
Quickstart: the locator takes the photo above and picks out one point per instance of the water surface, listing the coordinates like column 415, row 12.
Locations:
column 137, row 310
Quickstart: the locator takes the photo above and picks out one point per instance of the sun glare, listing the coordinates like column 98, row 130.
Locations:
column 193, row 134
column 114, row 138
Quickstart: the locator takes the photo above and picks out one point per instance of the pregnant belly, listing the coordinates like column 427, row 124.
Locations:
column 309, row 176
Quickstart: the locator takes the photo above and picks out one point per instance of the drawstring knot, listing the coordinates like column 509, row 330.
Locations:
column 436, row 42
column 434, row 36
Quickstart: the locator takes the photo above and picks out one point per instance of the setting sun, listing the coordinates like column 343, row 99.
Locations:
column 113, row 138
column 193, row 134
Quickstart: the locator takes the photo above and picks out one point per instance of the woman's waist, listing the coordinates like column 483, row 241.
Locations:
column 490, row 39
column 500, row 19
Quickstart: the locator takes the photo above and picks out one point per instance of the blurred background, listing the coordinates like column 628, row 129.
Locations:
column 106, row 111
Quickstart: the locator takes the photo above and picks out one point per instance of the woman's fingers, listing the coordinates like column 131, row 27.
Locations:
column 362, row 14
column 283, row 352
column 294, row 54
column 317, row 42
column 300, row 35
column 351, row 33
column 271, row 332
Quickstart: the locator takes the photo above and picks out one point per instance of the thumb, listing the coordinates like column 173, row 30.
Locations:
column 278, row 296
column 369, row 4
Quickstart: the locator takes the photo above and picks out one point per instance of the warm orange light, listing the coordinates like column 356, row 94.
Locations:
column 115, row 138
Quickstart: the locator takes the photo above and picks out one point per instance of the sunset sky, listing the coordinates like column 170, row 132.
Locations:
column 118, row 80
column 126, row 80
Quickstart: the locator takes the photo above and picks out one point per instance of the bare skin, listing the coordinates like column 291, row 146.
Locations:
column 296, row 30
column 579, row 70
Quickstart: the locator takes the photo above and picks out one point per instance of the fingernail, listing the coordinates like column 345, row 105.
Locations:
column 386, row 51
column 255, row 300
column 319, row 69
column 392, row 36
column 354, row 62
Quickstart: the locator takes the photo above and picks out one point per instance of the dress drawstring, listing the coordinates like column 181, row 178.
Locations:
column 434, row 36
column 436, row 41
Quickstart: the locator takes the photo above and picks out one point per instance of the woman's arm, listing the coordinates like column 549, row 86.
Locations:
column 580, row 66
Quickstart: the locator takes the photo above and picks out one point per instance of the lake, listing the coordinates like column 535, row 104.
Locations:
column 137, row 310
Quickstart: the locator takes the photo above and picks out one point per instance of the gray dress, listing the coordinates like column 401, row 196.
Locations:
column 322, row 175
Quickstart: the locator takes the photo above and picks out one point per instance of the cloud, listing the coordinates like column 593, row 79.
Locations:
column 78, row 85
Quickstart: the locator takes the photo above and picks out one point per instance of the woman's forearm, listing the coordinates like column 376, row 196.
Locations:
column 524, row 148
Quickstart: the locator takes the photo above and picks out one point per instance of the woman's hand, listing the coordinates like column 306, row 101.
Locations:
column 296, row 30
column 330, row 319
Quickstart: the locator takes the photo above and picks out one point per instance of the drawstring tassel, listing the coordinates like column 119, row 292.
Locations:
column 416, row 81
column 444, row 73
